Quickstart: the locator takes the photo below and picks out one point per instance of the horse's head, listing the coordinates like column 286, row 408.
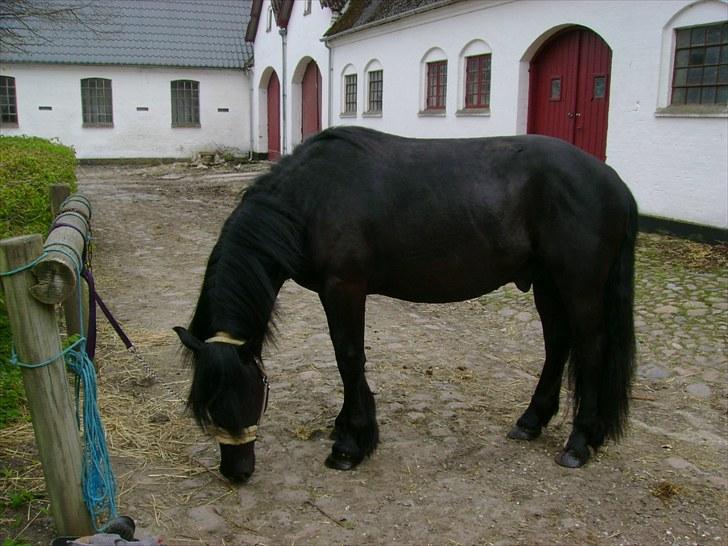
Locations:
column 228, row 396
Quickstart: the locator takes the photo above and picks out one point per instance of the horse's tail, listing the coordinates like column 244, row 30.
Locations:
column 615, row 380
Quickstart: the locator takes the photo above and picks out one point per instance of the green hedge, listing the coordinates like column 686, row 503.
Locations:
column 28, row 166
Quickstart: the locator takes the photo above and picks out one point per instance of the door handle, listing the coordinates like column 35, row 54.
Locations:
column 571, row 115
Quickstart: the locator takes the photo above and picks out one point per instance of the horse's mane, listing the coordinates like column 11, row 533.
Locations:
column 258, row 248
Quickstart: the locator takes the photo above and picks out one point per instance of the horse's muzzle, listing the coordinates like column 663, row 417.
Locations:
column 237, row 462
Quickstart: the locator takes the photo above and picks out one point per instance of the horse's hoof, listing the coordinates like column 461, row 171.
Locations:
column 342, row 461
column 522, row 433
column 569, row 459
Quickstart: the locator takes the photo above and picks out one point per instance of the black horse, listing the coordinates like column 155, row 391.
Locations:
column 354, row 212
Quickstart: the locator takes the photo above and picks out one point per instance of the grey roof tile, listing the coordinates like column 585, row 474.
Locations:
column 184, row 33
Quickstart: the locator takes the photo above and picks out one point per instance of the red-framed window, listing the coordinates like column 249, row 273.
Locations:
column 477, row 81
column 436, row 85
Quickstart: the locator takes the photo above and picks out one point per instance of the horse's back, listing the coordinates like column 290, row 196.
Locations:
column 448, row 219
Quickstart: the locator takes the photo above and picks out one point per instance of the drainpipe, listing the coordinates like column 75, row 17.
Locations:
column 250, row 114
column 284, row 95
column 330, row 105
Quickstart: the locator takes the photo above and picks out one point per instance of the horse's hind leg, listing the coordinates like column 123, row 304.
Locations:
column 356, row 434
column 587, row 359
column 545, row 400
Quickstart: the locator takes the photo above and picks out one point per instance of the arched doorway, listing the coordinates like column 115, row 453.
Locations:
column 310, row 101
column 274, row 117
column 569, row 89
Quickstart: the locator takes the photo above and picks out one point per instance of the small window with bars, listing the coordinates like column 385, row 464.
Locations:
column 96, row 103
column 185, row 103
column 376, row 91
column 701, row 65
column 8, row 102
column 436, row 85
column 350, row 94
column 477, row 81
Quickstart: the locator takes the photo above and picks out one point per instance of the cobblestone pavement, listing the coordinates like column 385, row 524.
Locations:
column 450, row 380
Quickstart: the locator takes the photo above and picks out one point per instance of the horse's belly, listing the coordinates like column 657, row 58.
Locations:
column 440, row 282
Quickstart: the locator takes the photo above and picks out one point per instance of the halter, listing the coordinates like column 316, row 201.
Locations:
column 248, row 434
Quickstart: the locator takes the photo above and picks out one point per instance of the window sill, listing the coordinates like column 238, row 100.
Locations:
column 473, row 112
column 347, row 115
column 377, row 114
column 186, row 126
column 6, row 125
column 693, row 111
column 432, row 113
column 97, row 125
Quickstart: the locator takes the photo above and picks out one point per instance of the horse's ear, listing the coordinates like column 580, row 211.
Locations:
column 188, row 340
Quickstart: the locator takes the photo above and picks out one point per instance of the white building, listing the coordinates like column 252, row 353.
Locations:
column 134, row 79
column 643, row 85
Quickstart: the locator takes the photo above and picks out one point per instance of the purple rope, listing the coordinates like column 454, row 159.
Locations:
column 94, row 299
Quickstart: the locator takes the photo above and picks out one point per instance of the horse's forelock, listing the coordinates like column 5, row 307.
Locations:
column 223, row 391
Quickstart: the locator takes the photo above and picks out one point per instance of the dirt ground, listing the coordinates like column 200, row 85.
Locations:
column 449, row 382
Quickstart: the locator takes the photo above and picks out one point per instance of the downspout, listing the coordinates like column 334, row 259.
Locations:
column 330, row 105
column 284, row 95
column 250, row 115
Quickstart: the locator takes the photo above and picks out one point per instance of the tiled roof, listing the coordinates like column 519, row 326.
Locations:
column 181, row 33
column 361, row 13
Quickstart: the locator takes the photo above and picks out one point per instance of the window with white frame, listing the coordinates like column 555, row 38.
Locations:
column 269, row 19
column 307, row 7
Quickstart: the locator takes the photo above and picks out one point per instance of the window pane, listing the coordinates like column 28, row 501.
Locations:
column 721, row 95
column 712, row 35
column 712, row 55
column 723, row 73
column 697, row 56
column 697, row 36
column 681, row 58
column 683, row 37
column 710, row 73
column 693, row 96
column 708, row 96
column 681, row 76
column 695, row 76
column 678, row 96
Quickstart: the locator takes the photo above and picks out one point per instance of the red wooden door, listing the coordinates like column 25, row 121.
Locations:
column 569, row 93
column 311, row 101
column 274, row 121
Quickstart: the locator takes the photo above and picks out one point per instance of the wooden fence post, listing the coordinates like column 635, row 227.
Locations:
column 35, row 335
column 57, row 194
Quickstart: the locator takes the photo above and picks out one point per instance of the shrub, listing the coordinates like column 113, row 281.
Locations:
column 28, row 166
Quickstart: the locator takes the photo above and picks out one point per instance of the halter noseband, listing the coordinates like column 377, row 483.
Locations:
column 248, row 434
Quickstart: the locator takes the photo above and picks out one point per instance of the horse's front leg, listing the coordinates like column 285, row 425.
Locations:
column 356, row 434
